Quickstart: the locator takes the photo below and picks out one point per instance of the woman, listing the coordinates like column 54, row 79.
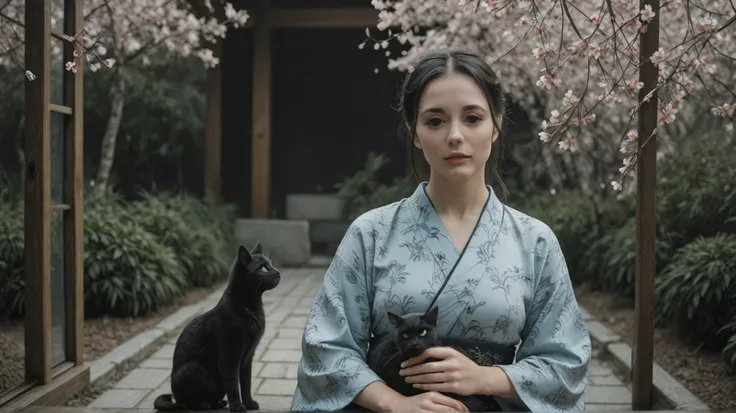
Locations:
column 498, row 276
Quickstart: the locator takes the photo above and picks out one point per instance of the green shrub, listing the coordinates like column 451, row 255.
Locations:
column 729, row 350
column 697, row 189
column 12, row 279
column 617, row 271
column 695, row 290
column 571, row 215
column 192, row 231
column 127, row 271
column 363, row 192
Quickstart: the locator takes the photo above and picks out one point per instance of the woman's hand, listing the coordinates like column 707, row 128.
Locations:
column 428, row 402
column 453, row 373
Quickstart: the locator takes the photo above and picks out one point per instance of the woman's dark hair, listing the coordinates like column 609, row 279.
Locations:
column 438, row 63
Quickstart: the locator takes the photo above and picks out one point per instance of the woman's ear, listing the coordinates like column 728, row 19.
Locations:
column 497, row 129
column 413, row 138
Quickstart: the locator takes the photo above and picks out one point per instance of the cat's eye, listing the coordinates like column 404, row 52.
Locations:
column 405, row 335
column 264, row 269
column 422, row 333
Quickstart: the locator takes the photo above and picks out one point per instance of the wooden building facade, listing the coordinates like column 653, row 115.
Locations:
column 295, row 106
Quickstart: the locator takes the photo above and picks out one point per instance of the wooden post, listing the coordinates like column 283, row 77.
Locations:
column 645, row 218
column 74, row 217
column 213, row 133
column 38, row 193
column 261, row 146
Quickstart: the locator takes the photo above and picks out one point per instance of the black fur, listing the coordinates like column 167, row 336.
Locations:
column 413, row 333
column 213, row 357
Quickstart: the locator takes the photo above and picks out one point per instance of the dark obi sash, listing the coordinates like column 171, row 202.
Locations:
column 483, row 353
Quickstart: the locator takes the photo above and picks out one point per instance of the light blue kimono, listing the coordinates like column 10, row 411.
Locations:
column 509, row 285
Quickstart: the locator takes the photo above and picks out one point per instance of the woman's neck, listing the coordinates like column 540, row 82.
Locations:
column 458, row 199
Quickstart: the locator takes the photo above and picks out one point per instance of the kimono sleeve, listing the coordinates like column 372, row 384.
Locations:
column 551, row 372
column 332, row 370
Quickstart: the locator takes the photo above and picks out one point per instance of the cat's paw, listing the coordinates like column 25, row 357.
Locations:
column 237, row 407
column 251, row 404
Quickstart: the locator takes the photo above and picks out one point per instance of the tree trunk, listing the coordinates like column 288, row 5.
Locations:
column 107, row 152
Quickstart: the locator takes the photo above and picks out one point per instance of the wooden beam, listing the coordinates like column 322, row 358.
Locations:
column 646, row 219
column 213, row 132
column 74, row 217
column 261, row 144
column 71, row 381
column 37, row 193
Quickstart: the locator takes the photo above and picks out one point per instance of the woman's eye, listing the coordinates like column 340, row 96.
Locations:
column 474, row 119
column 434, row 122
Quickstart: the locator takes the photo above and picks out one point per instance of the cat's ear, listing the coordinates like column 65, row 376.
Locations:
column 243, row 255
column 431, row 316
column 258, row 249
column 393, row 318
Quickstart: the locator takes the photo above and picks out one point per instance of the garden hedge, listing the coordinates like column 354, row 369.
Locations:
column 139, row 255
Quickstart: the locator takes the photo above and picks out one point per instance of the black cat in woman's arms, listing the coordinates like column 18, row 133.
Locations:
column 214, row 352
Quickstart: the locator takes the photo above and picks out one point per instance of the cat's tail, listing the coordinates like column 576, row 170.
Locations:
column 165, row 402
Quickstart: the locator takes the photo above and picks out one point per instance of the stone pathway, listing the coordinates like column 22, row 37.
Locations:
column 274, row 371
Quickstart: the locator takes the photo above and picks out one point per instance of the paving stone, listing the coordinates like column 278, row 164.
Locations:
column 306, row 301
column 295, row 321
column 255, row 382
column 165, row 352
column 282, row 403
column 118, row 398
column 256, row 369
column 290, row 333
column 279, row 371
column 294, row 343
column 301, row 310
column 610, row 380
column 282, row 356
column 141, row 378
column 607, row 394
column 277, row 387
column 599, row 369
column 601, row 333
column 156, row 364
column 277, row 317
column 147, row 402
column 107, row 362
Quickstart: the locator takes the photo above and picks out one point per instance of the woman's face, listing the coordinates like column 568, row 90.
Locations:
column 454, row 127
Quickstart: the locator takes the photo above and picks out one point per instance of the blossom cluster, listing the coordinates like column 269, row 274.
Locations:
column 124, row 30
column 582, row 58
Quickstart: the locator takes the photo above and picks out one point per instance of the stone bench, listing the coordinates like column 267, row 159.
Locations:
column 324, row 213
column 286, row 240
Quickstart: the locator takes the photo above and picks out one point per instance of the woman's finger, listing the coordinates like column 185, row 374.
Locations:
column 432, row 352
column 438, row 387
column 447, row 401
column 424, row 368
column 427, row 378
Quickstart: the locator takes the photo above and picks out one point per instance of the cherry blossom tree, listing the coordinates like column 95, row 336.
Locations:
column 118, row 33
column 580, row 61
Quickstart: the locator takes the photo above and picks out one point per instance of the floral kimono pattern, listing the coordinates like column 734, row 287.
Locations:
column 508, row 287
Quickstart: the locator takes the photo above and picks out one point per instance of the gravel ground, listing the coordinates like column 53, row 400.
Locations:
column 702, row 372
column 100, row 336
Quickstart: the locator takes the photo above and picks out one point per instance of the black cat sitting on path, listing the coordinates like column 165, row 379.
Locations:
column 414, row 333
column 213, row 356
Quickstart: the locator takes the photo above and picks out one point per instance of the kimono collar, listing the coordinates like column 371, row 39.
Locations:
column 493, row 204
